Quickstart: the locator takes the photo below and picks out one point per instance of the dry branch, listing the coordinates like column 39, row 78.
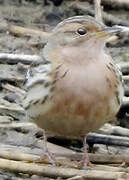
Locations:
column 124, row 67
column 115, row 3
column 125, row 102
column 14, row 89
column 5, row 120
column 19, row 58
column 114, row 130
column 28, row 154
column 126, row 90
column 21, row 31
column 18, row 156
column 94, row 138
column 11, row 78
column 99, row 158
column 108, row 18
column 126, row 78
column 19, row 151
column 26, row 126
column 54, row 172
column 13, row 110
column 98, row 14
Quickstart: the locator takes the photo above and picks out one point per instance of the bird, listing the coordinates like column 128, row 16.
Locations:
column 79, row 87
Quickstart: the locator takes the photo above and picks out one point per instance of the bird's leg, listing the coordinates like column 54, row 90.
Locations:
column 85, row 159
column 47, row 156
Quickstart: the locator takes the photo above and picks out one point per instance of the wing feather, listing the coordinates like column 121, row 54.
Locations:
column 38, row 84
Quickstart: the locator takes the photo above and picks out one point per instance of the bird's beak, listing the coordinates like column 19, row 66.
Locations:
column 109, row 31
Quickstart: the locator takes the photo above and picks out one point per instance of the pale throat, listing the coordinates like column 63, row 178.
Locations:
column 79, row 54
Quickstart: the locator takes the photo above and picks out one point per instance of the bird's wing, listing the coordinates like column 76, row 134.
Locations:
column 38, row 84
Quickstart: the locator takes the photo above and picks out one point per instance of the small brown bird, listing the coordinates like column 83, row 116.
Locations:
column 80, row 88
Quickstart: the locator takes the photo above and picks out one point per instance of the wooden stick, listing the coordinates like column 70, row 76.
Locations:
column 99, row 158
column 114, row 130
column 115, row 3
column 27, row 126
column 14, row 89
column 126, row 78
column 14, row 110
column 95, row 138
column 19, row 58
column 22, row 154
column 5, row 120
column 21, row 31
column 108, row 18
column 124, row 66
column 15, row 155
column 125, row 101
column 55, row 172
column 11, row 152
column 76, row 178
column 126, row 90
column 98, row 14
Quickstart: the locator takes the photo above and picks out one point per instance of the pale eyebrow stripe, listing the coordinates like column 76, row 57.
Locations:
column 69, row 32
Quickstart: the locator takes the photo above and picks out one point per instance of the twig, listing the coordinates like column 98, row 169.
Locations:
column 114, row 130
column 26, row 126
column 5, row 120
column 76, row 178
column 98, row 14
column 115, row 3
column 21, row 31
column 126, row 78
column 11, row 78
column 108, row 18
column 95, row 138
column 124, row 67
column 18, row 156
column 55, row 172
column 22, row 154
column 16, row 58
column 98, row 158
column 14, row 110
column 126, row 90
column 125, row 102
column 14, row 89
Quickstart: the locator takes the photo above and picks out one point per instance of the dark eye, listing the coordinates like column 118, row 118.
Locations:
column 81, row 31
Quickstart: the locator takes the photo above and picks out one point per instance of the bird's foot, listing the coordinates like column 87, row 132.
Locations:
column 46, row 158
column 84, row 164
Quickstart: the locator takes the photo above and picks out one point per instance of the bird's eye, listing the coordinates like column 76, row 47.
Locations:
column 81, row 31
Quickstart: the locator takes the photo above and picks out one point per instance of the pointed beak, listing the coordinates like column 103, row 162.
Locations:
column 112, row 30
column 109, row 31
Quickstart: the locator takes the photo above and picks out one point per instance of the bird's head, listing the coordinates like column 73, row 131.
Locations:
column 78, row 36
column 80, row 29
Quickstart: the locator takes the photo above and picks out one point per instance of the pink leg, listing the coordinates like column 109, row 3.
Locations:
column 46, row 153
column 85, row 160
